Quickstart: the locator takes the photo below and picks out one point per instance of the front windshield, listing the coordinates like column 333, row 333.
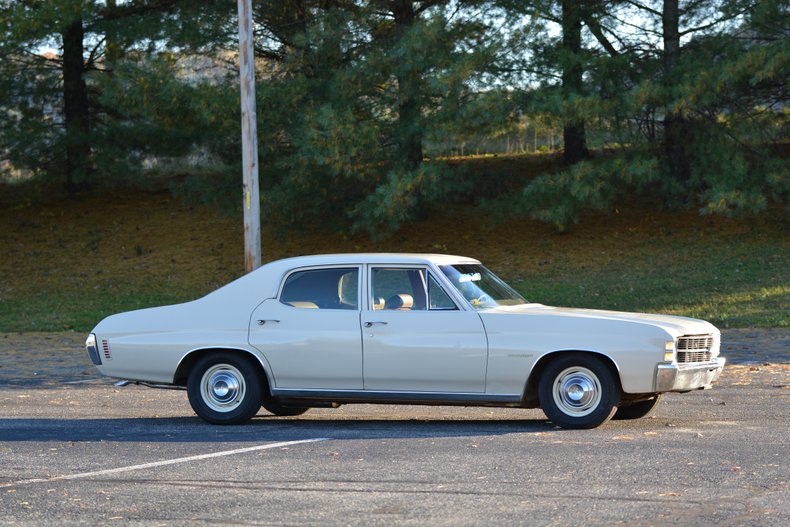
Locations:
column 482, row 288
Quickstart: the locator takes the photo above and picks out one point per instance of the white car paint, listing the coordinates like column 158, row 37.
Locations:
column 520, row 335
column 328, row 355
column 486, row 356
column 425, row 351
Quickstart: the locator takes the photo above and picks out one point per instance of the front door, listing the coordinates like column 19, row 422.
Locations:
column 415, row 337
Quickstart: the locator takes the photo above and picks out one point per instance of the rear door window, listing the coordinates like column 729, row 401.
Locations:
column 332, row 288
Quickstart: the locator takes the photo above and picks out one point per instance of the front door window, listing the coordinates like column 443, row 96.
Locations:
column 405, row 289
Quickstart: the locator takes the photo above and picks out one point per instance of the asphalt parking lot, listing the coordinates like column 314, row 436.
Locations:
column 76, row 449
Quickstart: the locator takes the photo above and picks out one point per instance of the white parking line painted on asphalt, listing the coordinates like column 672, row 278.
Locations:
column 163, row 463
column 83, row 381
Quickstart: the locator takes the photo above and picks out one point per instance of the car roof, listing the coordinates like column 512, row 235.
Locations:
column 373, row 258
column 267, row 278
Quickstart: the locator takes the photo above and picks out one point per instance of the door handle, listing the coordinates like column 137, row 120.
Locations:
column 370, row 324
column 262, row 322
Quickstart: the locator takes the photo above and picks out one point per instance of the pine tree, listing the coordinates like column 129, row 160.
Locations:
column 693, row 96
column 351, row 94
column 57, row 117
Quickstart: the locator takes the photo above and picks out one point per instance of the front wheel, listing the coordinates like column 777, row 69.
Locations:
column 639, row 409
column 577, row 390
column 225, row 389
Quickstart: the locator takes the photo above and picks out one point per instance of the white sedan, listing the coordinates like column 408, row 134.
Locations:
column 321, row 331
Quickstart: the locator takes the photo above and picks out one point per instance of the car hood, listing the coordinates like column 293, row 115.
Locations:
column 674, row 325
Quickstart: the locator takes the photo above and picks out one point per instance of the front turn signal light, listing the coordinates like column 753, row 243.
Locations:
column 669, row 351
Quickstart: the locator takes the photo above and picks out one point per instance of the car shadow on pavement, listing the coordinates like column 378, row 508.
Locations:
column 195, row 430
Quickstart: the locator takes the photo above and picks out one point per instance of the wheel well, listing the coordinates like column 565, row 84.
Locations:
column 182, row 372
column 531, row 388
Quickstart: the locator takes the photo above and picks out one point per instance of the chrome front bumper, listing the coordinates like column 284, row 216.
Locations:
column 687, row 377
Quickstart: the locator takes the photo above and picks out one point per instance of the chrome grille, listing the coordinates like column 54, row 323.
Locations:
column 695, row 348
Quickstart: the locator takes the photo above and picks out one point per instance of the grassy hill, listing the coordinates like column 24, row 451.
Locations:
column 68, row 263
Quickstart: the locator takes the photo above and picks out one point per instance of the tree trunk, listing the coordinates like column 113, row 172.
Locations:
column 75, row 108
column 112, row 48
column 674, row 121
column 409, row 126
column 574, row 134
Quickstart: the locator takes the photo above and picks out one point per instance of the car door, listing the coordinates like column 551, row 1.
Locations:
column 416, row 337
column 310, row 334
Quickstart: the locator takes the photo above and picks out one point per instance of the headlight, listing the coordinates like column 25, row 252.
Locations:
column 669, row 351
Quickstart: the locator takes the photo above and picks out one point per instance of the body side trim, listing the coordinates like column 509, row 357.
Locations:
column 367, row 395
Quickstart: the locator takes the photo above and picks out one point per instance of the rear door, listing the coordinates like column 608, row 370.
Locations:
column 310, row 333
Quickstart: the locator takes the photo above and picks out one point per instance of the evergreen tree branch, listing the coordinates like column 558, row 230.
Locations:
column 643, row 7
column 136, row 8
column 595, row 29
column 425, row 5
column 714, row 23
column 90, row 64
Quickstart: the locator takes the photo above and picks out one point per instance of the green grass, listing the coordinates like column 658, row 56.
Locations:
column 732, row 279
column 59, row 311
column 65, row 265
column 725, row 294
column 720, row 284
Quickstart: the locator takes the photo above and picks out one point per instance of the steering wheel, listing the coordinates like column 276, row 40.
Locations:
column 482, row 299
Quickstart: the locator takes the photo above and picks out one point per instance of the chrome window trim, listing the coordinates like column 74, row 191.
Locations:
column 432, row 274
column 284, row 279
column 460, row 301
column 431, row 270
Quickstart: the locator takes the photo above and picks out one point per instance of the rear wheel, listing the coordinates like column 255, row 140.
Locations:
column 578, row 390
column 225, row 389
column 279, row 410
column 638, row 409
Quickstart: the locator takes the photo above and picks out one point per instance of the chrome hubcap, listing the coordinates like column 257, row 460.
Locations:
column 223, row 388
column 577, row 391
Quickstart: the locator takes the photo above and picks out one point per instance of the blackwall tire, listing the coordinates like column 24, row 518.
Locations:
column 225, row 389
column 279, row 410
column 578, row 390
column 639, row 409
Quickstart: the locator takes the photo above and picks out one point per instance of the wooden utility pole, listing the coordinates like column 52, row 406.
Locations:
column 249, row 140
